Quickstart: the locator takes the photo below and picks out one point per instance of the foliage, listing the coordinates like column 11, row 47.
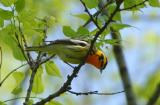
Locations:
column 27, row 23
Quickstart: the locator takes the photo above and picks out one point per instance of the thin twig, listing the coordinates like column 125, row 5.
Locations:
column 29, row 59
column 11, row 73
column 20, row 98
column 21, row 48
column 153, row 99
column 91, row 17
column 111, row 1
column 47, row 59
column 97, row 13
column 20, row 67
column 40, row 55
column 70, row 65
column 134, row 6
column 93, row 92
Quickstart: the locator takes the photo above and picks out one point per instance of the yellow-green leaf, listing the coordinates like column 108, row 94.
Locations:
column 2, row 103
column 111, row 9
column 91, row 3
column 82, row 31
column 7, row 37
column 131, row 3
column 1, row 22
column 53, row 103
column 112, row 41
column 6, row 14
column 50, row 20
column 17, row 90
column 83, row 16
column 18, row 76
column 7, row 3
column 30, row 102
column 68, row 31
column 38, row 86
column 52, row 69
column 20, row 4
column 119, row 26
column 154, row 3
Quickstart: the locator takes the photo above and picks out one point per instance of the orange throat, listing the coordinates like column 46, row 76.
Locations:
column 94, row 60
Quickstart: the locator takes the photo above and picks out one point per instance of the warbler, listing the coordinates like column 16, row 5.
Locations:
column 73, row 51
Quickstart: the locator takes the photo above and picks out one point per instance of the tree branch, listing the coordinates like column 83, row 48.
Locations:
column 93, row 92
column 123, row 70
column 34, row 70
column 35, row 65
column 153, row 99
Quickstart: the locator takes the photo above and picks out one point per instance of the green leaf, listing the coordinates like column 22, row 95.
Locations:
column 83, row 16
column 40, row 30
column 140, row 6
column 111, row 9
column 5, row 14
column 118, row 26
column 50, row 20
column 38, row 86
column 52, row 69
column 154, row 3
column 131, row 3
column 112, row 41
column 2, row 103
column 17, row 90
column 6, row 35
column 20, row 4
column 53, row 103
column 91, row 3
column 1, row 22
column 68, row 31
column 82, row 31
column 146, row 90
column 7, row 3
column 30, row 102
column 104, row 34
column 18, row 76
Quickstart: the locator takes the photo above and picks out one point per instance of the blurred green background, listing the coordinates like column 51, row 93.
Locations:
column 141, row 45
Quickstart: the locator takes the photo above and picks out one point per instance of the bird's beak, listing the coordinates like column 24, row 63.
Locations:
column 101, row 70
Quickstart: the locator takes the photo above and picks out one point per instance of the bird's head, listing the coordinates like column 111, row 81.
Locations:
column 98, row 59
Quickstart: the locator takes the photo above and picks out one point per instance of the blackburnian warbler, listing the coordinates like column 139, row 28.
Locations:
column 73, row 51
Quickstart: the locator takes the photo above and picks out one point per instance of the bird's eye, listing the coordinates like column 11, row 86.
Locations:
column 101, row 58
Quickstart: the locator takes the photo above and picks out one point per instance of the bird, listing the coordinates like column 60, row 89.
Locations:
column 73, row 51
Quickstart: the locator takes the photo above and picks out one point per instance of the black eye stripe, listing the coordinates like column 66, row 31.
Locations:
column 105, row 64
column 101, row 58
